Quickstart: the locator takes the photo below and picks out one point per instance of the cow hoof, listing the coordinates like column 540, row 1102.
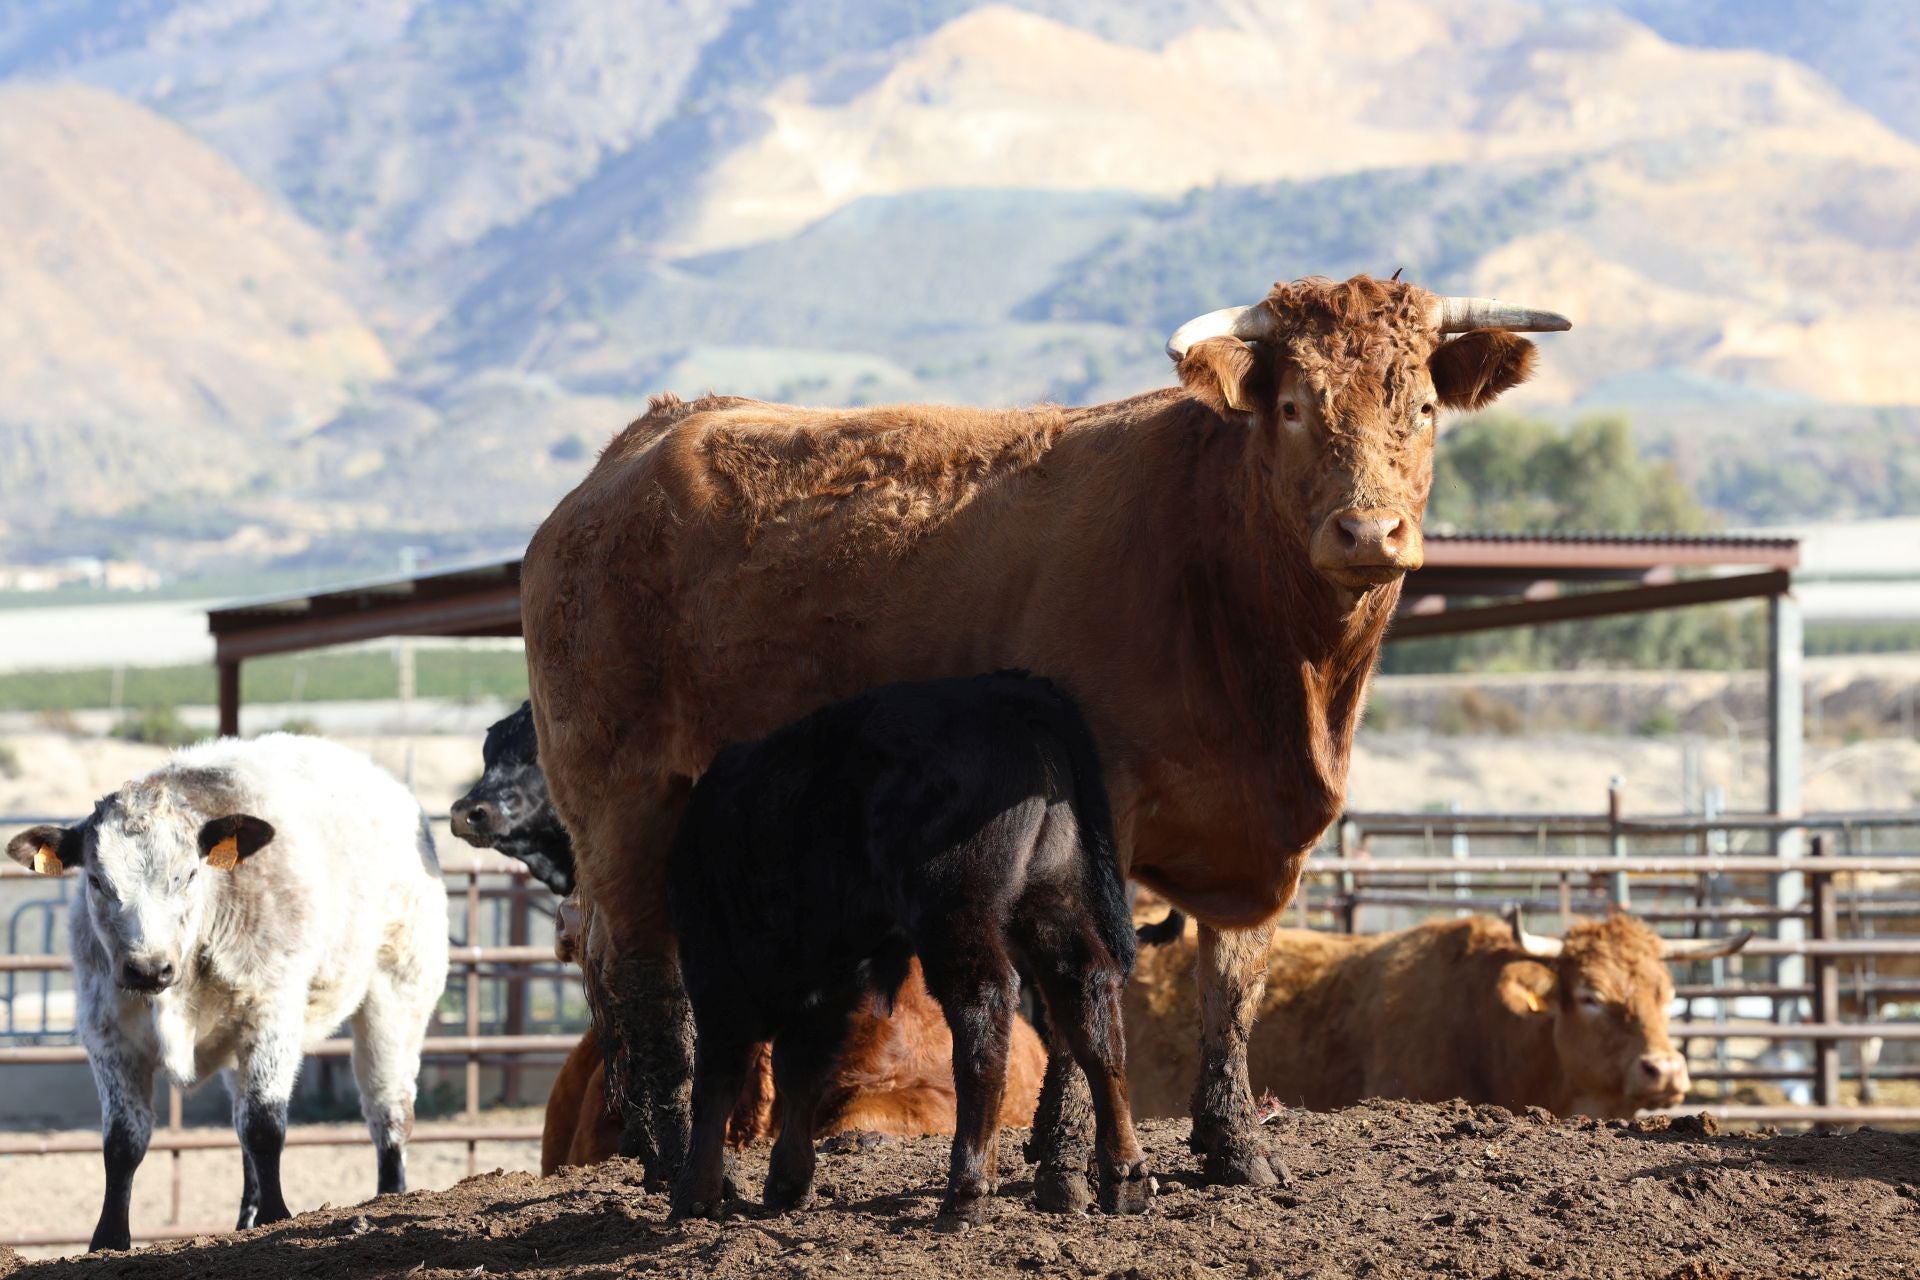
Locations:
column 700, row 1204
column 1237, row 1164
column 710, row 1209
column 1129, row 1194
column 1061, row 1191
column 960, row 1212
column 783, row 1196
column 852, row 1141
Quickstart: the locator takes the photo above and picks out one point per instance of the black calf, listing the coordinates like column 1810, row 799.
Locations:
column 963, row 820
column 509, row 809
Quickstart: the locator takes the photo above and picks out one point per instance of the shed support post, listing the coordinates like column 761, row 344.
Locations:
column 1784, row 729
column 229, row 670
column 1826, row 985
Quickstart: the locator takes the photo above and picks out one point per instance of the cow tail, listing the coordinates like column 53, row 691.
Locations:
column 1168, row 928
column 429, row 852
column 1093, row 817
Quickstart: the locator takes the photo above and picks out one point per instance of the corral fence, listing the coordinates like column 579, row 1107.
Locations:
column 1821, row 1006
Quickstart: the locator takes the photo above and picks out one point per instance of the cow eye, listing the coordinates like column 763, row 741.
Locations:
column 1426, row 410
column 1290, row 411
column 99, row 885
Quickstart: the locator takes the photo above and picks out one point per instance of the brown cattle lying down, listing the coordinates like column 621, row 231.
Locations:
column 896, row 1077
column 1468, row 1009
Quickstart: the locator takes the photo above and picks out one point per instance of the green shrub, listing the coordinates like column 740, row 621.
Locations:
column 1660, row 722
column 159, row 726
column 1473, row 712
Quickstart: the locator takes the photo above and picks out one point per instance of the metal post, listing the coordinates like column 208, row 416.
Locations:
column 1826, row 984
column 516, row 987
column 229, row 673
column 1349, row 884
column 1616, row 790
column 174, row 1124
column 1784, row 728
column 473, row 1019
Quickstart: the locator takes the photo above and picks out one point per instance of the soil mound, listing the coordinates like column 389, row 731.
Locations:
column 1383, row 1190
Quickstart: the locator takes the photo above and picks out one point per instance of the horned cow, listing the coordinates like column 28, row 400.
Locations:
column 1208, row 570
column 1477, row 1008
column 235, row 905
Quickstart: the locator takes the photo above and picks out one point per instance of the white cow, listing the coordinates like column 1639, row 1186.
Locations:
column 237, row 904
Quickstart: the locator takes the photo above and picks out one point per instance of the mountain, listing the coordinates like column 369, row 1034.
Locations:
column 304, row 278
column 163, row 323
column 1869, row 49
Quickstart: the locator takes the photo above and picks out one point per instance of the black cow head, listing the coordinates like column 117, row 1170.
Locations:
column 509, row 811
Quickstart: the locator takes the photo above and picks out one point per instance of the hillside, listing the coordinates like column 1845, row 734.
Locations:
column 164, row 325
column 444, row 249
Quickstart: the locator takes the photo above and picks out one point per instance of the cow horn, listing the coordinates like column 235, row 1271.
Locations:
column 1537, row 945
column 1457, row 315
column 1246, row 323
column 1703, row 948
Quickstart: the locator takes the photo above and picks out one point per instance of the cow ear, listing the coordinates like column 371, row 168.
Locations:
column 224, row 841
column 1473, row 369
column 1219, row 372
column 46, row 851
column 1526, row 988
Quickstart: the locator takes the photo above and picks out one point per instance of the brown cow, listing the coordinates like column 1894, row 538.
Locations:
column 895, row 1077
column 1209, row 571
column 1475, row 1009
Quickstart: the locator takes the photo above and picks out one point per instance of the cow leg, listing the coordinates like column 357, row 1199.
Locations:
column 804, row 1055
column 977, row 988
column 1232, row 970
column 1062, row 1141
column 388, row 1030
column 123, row 1072
column 720, row 1065
column 640, row 1011
column 262, row 1084
column 249, row 1183
column 1080, row 981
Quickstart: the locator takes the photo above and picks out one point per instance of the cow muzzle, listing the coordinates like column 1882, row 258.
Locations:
column 1361, row 547
column 474, row 821
column 148, row 975
column 1658, row 1079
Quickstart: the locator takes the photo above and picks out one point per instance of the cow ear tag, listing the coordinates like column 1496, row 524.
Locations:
column 225, row 855
column 46, row 862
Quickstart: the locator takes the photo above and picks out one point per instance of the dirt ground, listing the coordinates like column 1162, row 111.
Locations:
column 64, row 1190
column 1383, row 1190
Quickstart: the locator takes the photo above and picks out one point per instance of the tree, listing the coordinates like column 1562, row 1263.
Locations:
column 1500, row 474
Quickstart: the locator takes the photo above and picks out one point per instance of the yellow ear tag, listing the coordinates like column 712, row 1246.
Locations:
column 46, row 862
column 1533, row 1001
column 225, row 855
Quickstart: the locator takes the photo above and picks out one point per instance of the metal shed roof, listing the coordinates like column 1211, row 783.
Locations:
column 483, row 599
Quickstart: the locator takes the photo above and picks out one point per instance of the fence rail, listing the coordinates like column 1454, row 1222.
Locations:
column 1491, row 861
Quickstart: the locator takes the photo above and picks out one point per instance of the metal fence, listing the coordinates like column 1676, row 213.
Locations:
column 1837, row 972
